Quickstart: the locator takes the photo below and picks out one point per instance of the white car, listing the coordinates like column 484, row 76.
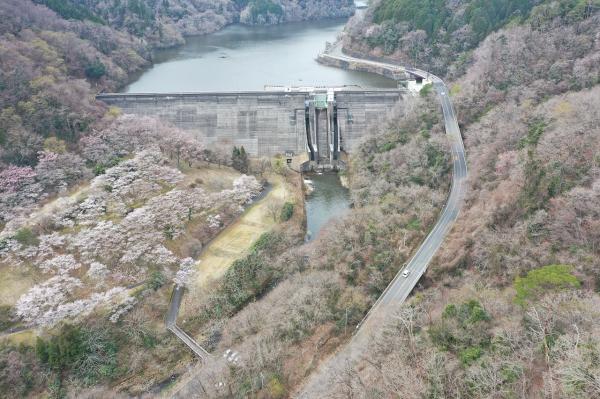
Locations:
column 405, row 273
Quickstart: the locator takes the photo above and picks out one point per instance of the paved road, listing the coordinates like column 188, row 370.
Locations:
column 400, row 287
column 173, row 311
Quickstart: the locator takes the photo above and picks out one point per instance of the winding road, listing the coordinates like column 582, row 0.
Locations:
column 401, row 286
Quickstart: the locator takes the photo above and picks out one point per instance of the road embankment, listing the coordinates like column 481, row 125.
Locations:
column 328, row 60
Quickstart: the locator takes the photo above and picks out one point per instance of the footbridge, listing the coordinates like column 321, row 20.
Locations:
column 320, row 123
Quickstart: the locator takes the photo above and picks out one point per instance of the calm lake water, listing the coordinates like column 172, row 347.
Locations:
column 241, row 58
column 248, row 58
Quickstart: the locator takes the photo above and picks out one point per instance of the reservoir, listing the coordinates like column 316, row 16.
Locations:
column 241, row 57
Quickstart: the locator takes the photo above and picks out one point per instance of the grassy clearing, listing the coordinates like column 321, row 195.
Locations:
column 209, row 176
column 26, row 337
column 13, row 283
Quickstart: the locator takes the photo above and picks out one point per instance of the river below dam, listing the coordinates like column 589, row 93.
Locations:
column 328, row 200
column 240, row 58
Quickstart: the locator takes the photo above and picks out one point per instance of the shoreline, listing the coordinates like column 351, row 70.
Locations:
column 153, row 49
column 328, row 58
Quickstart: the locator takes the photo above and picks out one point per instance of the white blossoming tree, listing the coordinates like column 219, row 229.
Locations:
column 118, row 229
column 185, row 272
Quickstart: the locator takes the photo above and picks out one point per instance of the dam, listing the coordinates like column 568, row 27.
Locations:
column 322, row 123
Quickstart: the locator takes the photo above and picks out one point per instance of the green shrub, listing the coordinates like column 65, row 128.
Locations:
column 100, row 168
column 470, row 312
column 463, row 330
column 243, row 281
column 157, row 280
column 276, row 387
column 441, row 336
column 69, row 9
column 246, row 279
column 533, row 196
column 469, row 355
column 473, row 312
column 417, row 180
column 287, row 211
column 95, row 70
column 539, row 281
column 26, row 237
column 239, row 159
column 264, row 7
column 169, row 232
column 6, row 320
column 449, row 311
column 433, row 16
column 511, row 372
column 266, row 241
column 536, row 129
column 425, row 90
column 385, row 147
column 88, row 354
column 436, row 158
column 414, row 224
column 428, row 119
column 149, row 341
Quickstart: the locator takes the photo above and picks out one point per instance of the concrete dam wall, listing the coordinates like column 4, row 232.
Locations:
column 320, row 122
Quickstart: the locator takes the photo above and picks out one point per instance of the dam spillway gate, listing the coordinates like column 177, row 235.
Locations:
column 323, row 123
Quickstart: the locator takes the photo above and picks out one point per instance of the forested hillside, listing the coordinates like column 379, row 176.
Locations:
column 101, row 213
column 513, row 305
column 50, row 69
column 166, row 22
column 438, row 35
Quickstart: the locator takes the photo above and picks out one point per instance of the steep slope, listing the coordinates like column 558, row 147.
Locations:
column 167, row 22
column 439, row 35
column 514, row 294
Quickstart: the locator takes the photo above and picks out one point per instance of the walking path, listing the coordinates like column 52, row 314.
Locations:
column 229, row 245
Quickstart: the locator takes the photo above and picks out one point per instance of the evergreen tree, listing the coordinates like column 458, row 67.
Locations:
column 239, row 159
column 243, row 160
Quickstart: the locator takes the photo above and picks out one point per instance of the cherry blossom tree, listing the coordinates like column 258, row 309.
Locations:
column 19, row 190
column 185, row 272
